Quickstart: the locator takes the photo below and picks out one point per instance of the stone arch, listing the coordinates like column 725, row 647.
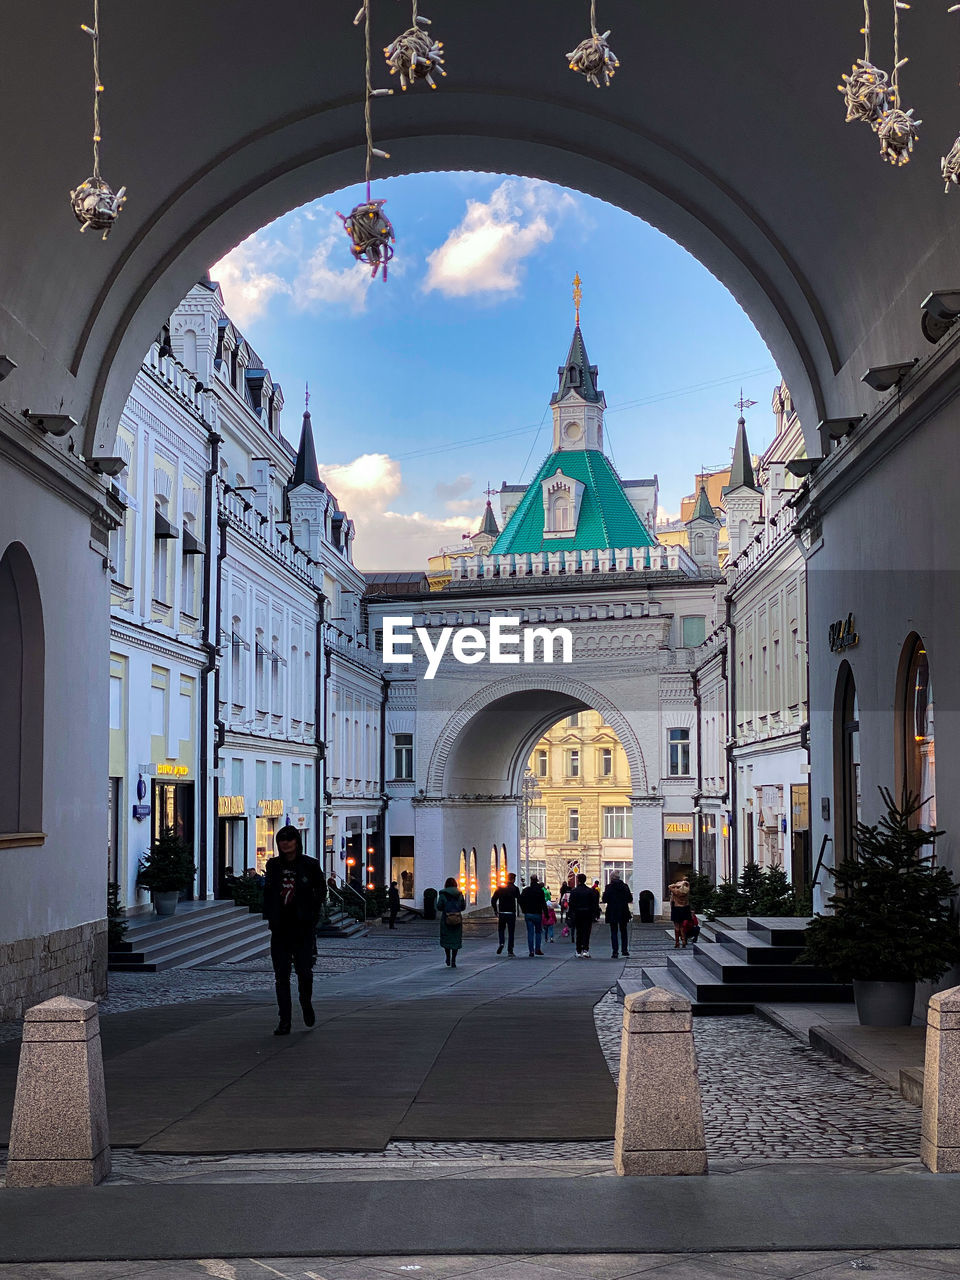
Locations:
column 577, row 691
column 22, row 677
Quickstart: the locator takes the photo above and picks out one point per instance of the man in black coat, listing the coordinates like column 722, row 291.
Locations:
column 583, row 909
column 617, row 897
column 294, row 892
column 505, row 903
column 533, row 904
column 393, row 899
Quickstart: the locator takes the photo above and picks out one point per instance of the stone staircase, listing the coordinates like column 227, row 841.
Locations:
column 339, row 924
column 738, row 964
column 201, row 933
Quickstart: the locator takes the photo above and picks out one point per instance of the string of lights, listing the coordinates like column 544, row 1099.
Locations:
column 896, row 128
column 415, row 54
column 370, row 230
column 593, row 57
column 95, row 203
column 950, row 163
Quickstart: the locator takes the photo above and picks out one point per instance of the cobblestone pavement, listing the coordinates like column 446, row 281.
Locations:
column 900, row 1264
column 767, row 1095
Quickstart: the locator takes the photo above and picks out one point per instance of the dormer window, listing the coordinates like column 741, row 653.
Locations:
column 573, row 375
column 561, row 505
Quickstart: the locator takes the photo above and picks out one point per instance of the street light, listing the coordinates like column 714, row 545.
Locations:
column 529, row 792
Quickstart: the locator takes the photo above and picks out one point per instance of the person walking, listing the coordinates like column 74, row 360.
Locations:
column 549, row 920
column 533, row 905
column 617, row 897
column 451, row 905
column 294, row 892
column 393, row 901
column 505, row 902
column 680, row 910
column 584, row 908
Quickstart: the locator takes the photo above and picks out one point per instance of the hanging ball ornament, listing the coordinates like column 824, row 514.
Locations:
column 371, row 235
column 594, row 58
column 97, row 205
column 897, row 131
column 865, row 92
column 415, row 55
column 950, row 167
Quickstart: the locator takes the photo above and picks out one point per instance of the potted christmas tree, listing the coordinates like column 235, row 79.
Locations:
column 893, row 924
column 167, row 870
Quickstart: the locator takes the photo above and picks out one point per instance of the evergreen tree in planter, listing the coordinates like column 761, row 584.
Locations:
column 167, row 870
column 893, row 923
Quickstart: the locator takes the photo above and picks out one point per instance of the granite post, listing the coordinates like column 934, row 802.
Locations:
column 940, row 1131
column 659, row 1112
column 59, row 1135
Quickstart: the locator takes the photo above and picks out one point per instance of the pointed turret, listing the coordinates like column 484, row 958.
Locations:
column 578, row 374
column 704, row 508
column 741, row 472
column 306, row 470
column 489, row 526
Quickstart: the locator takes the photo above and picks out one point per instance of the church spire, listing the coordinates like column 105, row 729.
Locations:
column 741, row 471
column 306, row 470
column 703, row 509
column 578, row 374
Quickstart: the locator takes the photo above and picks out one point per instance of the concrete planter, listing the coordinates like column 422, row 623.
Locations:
column 884, row 1004
column 165, row 904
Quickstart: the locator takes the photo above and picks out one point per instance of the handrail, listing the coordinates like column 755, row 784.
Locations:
column 348, row 905
column 816, row 874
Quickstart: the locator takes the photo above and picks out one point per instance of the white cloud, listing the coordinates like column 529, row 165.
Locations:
column 485, row 253
column 310, row 264
column 388, row 539
column 453, row 488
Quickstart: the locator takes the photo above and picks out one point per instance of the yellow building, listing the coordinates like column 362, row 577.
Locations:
column 582, row 819
column 440, row 566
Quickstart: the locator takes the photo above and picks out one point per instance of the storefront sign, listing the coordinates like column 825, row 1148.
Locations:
column 678, row 827
column 141, row 811
column 231, row 806
column 172, row 770
column 270, row 808
column 843, row 635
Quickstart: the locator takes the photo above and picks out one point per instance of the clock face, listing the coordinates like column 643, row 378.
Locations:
column 573, row 431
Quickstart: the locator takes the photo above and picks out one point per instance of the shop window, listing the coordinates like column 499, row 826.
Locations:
column 915, row 702
column 21, row 695
column 679, row 752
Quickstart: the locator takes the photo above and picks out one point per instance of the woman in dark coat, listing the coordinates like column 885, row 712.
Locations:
column 451, row 902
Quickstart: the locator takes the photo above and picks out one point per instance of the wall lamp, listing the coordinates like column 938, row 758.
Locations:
column 801, row 467
column 7, row 367
column 839, row 428
column 54, row 424
column 106, row 465
column 881, row 377
column 939, row 312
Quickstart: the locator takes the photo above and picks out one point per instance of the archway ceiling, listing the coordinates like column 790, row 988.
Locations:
column 490, row 754
column 723, row 128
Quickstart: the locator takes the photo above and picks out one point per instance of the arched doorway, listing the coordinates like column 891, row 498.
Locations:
column 915, row 748
column 22, row 679
column 846, row 729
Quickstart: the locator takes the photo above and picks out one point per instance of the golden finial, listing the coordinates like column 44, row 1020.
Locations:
column 577, row 295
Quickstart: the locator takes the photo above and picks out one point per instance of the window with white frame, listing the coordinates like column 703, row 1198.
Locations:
column 540, row 764
column 679, row 752
column 573, row 824
column 610, row 865
column 537, row 822
column 606, row 762
column 617, row 822
column 573, row 721
column 573, row 763
column 403, row 756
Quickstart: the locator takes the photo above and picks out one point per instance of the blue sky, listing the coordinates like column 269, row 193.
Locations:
column 429, row 387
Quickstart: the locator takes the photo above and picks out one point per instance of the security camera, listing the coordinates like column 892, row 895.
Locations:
column 939, row 313
column 7, row 367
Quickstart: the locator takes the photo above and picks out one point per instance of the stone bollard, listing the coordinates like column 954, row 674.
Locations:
column 659, row 1113
column 940, row 1132
column 59, row 1135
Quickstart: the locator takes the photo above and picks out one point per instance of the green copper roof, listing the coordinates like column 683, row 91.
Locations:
column 489, row 526
column 578, row 374
column 741, row 470
column 606, row 517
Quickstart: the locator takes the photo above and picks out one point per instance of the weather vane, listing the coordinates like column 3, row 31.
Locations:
column 577, row 295
column 743, row 404
column 490, row 491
